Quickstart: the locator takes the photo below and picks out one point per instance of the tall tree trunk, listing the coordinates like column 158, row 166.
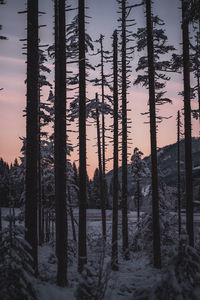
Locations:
column 71, row 215
column 60, row 142
column 103, row 117
column 102, row 194
column 0, row 218
column 103, row 122
column 198, row 78
column 178, row 174
column 138, row 200
column 82, row 249
column 115, row 156
column 187, row 125
column 124, row 137
column 39, row 176
column 155, row 200
column 32, row 130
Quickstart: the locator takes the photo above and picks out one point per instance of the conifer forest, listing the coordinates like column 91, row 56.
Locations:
column 100, row 150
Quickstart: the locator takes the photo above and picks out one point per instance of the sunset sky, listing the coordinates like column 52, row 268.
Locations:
column 103, row 13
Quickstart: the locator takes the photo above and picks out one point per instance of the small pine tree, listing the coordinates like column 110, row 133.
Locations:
column 16, row 272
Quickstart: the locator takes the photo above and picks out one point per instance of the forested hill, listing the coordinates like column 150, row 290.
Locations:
column 167, row 165
column 167, row 161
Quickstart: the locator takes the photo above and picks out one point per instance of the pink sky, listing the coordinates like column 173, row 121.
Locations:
column 13, row 73
column 12, row 101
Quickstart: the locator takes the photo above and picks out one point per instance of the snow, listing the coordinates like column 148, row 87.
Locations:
column 134, row 274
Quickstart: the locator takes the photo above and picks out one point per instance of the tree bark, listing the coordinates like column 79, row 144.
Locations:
column 115, row 156
column 138, row 200
column 71, row 215
column 60, row 142
column 82, row 249
column 32, row 130
column 178, row 174
column 155, row 200
column 101, row 183
column 187, row 123
column 103, row 122
column 124, row 137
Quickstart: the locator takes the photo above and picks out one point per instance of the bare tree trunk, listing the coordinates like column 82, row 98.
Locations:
column 115, row 156
column 0, row 219
column 82, row 249
column 71, row 215
column 178, row 174
column 138, row 200
column 60, row 142
column 198, row 78
column 124, row 137
column 187, row 119
column 32, row 130
column 39, row 178
column 155, row 200
column 103, row 117
column 102, row 194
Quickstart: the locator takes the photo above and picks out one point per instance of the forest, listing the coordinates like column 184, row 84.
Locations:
column 84, row 213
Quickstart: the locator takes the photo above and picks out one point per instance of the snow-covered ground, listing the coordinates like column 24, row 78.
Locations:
column 133, row 274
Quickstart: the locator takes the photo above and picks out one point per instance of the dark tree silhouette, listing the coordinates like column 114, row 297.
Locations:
column 124, row 134
column 151, row 78
column 178, row 173
column 115, row 156
column 187, row 123
column 1, row 38
column 101, row 179
column 82, row 250
column 60, row 142
column 32, row 129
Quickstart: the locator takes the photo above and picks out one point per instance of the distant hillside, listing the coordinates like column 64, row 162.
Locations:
column 167, row 164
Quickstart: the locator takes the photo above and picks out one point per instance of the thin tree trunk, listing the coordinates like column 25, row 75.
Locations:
column 102, row 195
column 82, row 249
column 115, row 156
column 39, row 178
column 155, row 200
column 138, row 200
column 103, row 122
column 71, row 215
column 103, row 117
column 124, row 137
column 198, row 79
column 187, row 119
column 0, row 221
column 32, row 130
column 178, row 174
column 60, row 142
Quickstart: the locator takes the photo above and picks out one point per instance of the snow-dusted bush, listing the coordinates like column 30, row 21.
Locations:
column 143, row 236
column 16, row 273
column 93, row 281
column 180, row 280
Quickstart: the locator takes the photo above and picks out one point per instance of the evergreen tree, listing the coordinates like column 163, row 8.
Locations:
column 32, row 129
column 178, row 173
column 115, row 155
column 138, row 170
column 60, row 142
column 82, row 251
column 151, row 80
column 187, row 123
